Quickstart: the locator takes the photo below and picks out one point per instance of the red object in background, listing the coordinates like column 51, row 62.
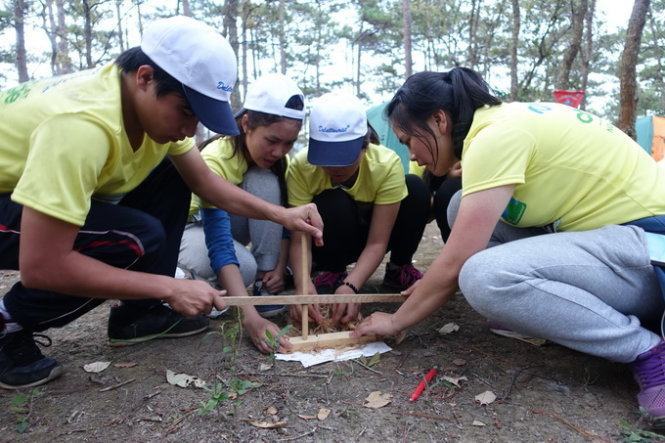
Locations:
column 423, row 383
column 570, row 98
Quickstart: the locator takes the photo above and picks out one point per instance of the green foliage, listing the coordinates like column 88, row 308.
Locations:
column 222, row 392
column 273, row 340
column 21, row 406
column 631, row 434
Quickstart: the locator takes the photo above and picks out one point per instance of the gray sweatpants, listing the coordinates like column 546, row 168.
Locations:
column 590, row 291
column 264, row 236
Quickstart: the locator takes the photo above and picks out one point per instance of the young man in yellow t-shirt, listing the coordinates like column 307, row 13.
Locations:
column 91, row 209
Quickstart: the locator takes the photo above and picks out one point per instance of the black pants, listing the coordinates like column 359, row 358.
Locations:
column 141, row 233
column 347, row 225
column 442, row 190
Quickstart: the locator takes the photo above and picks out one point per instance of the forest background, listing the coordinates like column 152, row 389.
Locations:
column 525, row 48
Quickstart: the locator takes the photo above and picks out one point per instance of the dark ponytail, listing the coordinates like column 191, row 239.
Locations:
column 458, row 92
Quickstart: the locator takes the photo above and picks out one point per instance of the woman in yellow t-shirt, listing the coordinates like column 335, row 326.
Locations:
column 213, row 246
column 367, row 204
column 559, row 227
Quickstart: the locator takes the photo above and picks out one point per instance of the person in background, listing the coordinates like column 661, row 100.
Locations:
column 213, row 244
column 365, row 200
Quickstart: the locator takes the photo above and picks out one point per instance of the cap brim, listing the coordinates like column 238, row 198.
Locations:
column 215, row 115
column 334, row 154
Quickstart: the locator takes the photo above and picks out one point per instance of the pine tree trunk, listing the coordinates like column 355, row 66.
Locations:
column 406, row 23
column 139, row 16
column 186, row 10
column 514, row 42
column 64, row 61
column 87, row 32
column 21, row 53
column 118, row 13
column 627, row 68
column 578, row 12
column 282, row 36
column 587, row 50
column 50, row 29
column 230, row 17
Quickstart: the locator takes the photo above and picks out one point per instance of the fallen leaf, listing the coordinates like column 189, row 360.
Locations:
column 478, row 423
column 454, row 380
column 96, row 367
column 485, row 398
column 126, row 364
column 377, row 399
column 459, row 362
column 183, row 380
column 264, row 367
column 271, row 410
column 267, row 424
column 323, row 414
column 448, row 328
column 307, row 417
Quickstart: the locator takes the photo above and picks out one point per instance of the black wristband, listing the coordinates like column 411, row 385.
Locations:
column 351, row 285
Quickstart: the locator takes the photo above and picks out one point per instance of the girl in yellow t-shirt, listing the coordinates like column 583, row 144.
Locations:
column 214, row 245
column 559, row 227
column 367, row 204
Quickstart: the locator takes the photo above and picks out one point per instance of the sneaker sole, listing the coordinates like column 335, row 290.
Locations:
column 119, row 342
column 274, row 313
column 55, row 373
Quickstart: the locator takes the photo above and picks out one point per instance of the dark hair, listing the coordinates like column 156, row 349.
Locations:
column 458, row 92
column 133, row 58
column 256, row 119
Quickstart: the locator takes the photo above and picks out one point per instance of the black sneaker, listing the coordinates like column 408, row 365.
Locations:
column 22, row 365
column 128, row 327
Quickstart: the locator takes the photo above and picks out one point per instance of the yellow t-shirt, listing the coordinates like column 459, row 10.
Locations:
column 219, row 157
column 416, row 169
column 62, row 140
column 571, row 169
column 380, row 179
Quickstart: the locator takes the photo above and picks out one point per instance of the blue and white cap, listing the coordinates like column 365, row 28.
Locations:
column 337, row 130
column 203, row 61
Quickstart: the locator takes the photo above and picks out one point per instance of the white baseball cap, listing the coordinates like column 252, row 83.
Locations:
column 337, row 130
column 274, row 94
column 202, row 60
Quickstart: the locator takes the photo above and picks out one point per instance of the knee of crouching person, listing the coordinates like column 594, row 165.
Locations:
column 478, row 280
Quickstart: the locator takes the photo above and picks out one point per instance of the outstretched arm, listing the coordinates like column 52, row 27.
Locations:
column 477, row 217
column 219, row 192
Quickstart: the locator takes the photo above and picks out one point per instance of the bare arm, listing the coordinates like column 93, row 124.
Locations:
column 477, row 217
column 383, row 221
column 217, row 191
column 230, row 278
column 60, row 268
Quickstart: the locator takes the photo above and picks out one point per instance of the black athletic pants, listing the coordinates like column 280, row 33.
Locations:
column 141, row 233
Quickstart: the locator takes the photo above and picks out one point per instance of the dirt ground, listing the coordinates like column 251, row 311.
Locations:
column 546, row 393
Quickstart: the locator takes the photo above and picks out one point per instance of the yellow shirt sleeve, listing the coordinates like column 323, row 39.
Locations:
column 67, row 155
column 183, row 147
column 497, row 156
column 393, row 188
column 296, row 182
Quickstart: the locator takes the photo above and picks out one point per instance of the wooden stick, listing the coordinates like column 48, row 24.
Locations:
column 329, row 340
column 304, row 314
column 322, row 299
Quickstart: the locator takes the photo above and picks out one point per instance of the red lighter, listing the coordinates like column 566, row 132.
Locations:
column 423, row 383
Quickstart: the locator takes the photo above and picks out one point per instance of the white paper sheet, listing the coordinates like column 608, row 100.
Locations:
column 325, row 355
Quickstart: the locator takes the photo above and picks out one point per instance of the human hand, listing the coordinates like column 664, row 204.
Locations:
column 345, row 312
column 257, row 328
column 273, row 280
column 194, row 297
column 305, row 218
column 455, row 170
column 379, row 323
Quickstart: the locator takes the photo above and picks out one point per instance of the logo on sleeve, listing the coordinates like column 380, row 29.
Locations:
column 224, row 87
column 514, row 211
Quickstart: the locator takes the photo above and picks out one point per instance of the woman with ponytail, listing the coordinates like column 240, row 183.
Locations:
column 559, row 229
